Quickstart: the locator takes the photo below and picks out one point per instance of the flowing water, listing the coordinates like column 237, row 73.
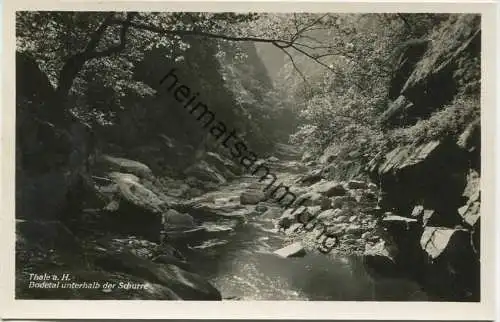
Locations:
column 242, row 266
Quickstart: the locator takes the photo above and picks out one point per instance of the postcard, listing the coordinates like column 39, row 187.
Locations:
column 248, row 160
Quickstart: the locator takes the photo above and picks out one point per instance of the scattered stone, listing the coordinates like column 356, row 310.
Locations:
column 273, row 159
column 335, row 231
column 310, row 199
column 376, row 211
column 293, row 250
column 340, row 219
column 435, row 240
column 329, row 215
column 307, row 157
column 356, row 184
column 294, row 228
column 366, row 235
column 354, row 229
column 285, row 223
column 398, row 222
column 330, row 189
column 261, row 208
column 251, row 197
column 222, row 164
column 326, row 203
column 314, row 210
column 417, row 211
column 205, row 172
column 470, row 213
column 427, row 215
column 126, row 166
column 337, row 202
column 271, row 213
column 186, row 285
column 380, row 259
column 312, row 177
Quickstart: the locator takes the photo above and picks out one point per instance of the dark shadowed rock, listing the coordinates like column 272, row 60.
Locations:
column 252, row 197
column 203, row 171
column 394, row 222
column 329, row 214
column 223, row 165
column 312, row 177
column 395, row 115
column 435, row 240
column 174, row 220
column 357, row 184
column 380, row 259
column 137, row 209
column 188, row 286
column 125, row 165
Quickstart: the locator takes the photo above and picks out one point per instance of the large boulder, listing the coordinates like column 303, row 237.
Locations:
column 205, row 172
column 329, row 214
column 442, row 161
column 223, row 165
column 293, row 250
column 187, row 285
column 357, row 184
column 453, row 269
column 125, row 165
column 329, row 188
column 252, row 197
column 174, row 220
column 312, row 177
column 313, row 198
column 470, row 212
column 380, row 259
column 135, row 209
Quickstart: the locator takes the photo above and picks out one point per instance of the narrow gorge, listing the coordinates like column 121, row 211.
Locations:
column 118, row 184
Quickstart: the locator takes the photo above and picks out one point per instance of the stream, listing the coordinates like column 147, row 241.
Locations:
column 240, row 263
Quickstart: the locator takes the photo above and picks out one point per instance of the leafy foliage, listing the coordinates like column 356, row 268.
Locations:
column 447, row 122
column 341, row 105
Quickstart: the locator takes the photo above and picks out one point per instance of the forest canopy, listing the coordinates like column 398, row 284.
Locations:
column 334, row 74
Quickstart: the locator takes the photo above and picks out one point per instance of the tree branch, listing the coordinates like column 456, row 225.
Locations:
column 407, row 24
column 123, row 40
column 96, row 36
column 295, row 66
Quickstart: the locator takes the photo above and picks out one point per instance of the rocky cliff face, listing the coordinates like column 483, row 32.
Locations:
column 432, row 181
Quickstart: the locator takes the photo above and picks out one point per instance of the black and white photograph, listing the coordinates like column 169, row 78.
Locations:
column 248, row 156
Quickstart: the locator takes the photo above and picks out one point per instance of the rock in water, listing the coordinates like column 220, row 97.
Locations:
column 435, row 240
column 379, row 259
column 251, row 197
column 126, row 166
column 329, row 188
column 203, row 171
column 356, row 184
column 293, row 250
column 173, row 220
column 184, row 284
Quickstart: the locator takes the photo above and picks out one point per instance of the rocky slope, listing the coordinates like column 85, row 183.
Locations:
column 429, row 201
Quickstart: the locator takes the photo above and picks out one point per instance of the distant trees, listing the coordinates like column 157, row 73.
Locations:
column 341, row 105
